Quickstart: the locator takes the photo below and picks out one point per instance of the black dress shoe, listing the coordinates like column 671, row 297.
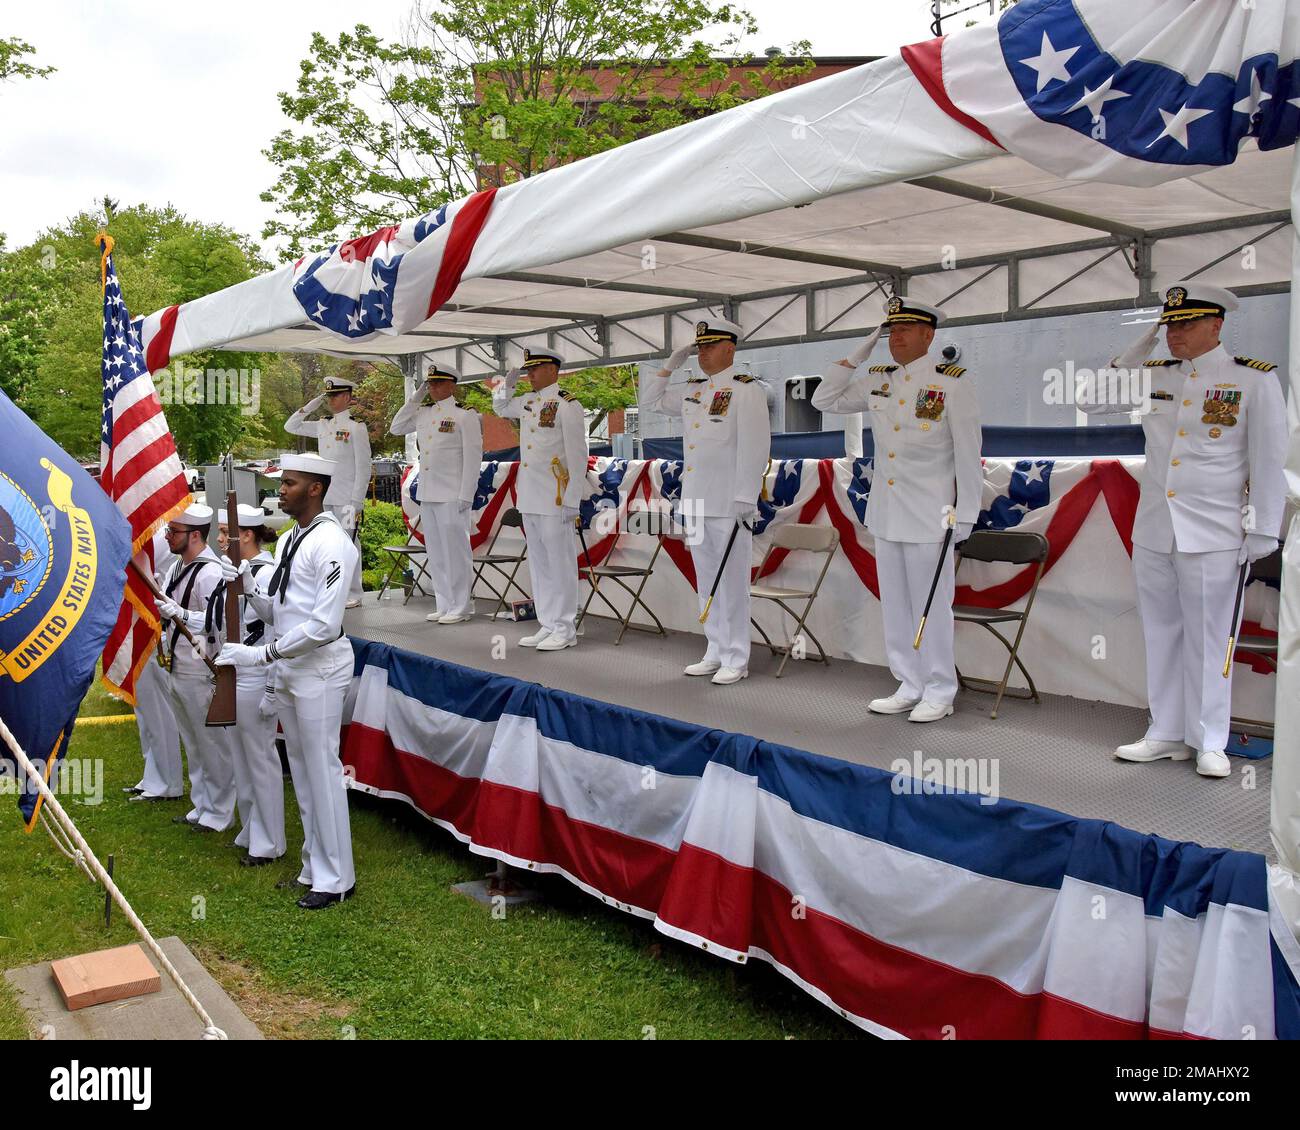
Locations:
column 201, row 827
column 133, row 789
column 285, row 884
column 250, row 860
column 182, row 820
column 316, row 900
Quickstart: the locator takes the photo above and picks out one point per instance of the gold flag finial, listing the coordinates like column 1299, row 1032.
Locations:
column 104, row 242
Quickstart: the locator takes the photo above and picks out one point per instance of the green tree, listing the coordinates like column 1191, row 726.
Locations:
column 493, row 90
column 12, row 65
column 51, row 323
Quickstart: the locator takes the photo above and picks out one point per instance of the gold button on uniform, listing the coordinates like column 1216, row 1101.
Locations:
column 692, row 448
column 897, row 427
column 891, row 455
column 1175, row 462
column 901, row 400
column 695, row 425
column 1182, row 431
column 891, row 482
column 1171, row 494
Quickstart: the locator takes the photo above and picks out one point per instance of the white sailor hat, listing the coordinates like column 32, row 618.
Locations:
column 708, row 330
column 250, row 517
column 535, row 357
column 196, row 515
column 308, row 462
column 901, row 310
column 441, row 373
column 1187, row 300
column 339, row 384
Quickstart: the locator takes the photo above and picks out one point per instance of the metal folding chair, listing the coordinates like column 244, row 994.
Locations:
column 1265, row 647
column 1007, row 547
column 813, row 539
column 644, row 523
column 407, row 553
column 498, row 562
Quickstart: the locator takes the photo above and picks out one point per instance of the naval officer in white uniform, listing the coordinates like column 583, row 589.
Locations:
column 551, row 486
column 303, row 602
column 451, row 451
column 726, row 441
column 193, row 577
column 1212, row 497
column 925, row 424
column 160, row 743
column 343, row 441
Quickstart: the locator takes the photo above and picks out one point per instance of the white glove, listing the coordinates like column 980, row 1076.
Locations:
column 1254, row 547
column 269, row 707
column 1139, row 351
column 169, row 610
column 241, row 655
column 512, row 377
column 230, row 572
column 313, row 404
column 863, row 351
column 745, row 511
column 569, row 513
column 962, row 532
column 677, row 358
column 464, row 505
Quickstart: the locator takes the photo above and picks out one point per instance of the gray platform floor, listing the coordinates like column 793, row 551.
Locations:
column 163, row 1015
column 1056, row 754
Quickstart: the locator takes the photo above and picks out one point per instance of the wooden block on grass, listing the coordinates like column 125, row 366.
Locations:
column 106, row 975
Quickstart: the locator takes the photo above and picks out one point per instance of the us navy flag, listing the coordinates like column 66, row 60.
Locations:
column 64, row 549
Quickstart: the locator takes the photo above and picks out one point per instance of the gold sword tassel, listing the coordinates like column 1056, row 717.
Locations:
column 561, row 473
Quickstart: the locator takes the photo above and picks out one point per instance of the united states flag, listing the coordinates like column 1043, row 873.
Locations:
column 141, row 472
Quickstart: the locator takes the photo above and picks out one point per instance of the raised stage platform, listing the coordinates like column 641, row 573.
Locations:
column 1055, row 754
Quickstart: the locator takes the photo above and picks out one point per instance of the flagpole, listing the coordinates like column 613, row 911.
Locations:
column 210, row 1029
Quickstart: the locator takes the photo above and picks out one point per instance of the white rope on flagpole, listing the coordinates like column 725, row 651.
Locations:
column 210, row 1029
column 65, row 845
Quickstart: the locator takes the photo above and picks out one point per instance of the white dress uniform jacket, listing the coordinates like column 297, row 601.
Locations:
column 925, row 423
column 451, row 447
column 550, row 427
column 344, row 441
column 164, row 773
column 1213, row 426
column 726, row 438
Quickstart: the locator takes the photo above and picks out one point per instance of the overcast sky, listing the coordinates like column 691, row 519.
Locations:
column 157, row 102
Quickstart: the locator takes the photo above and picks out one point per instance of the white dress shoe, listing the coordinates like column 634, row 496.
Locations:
column 1149, row 749
column 535, row 638
column 894, row 704
column 929, row 711
column 434, row 617
column 725, row 676
column 353, row 603
column 703, row 667
column 556, row 643
column 451, row 619
column 1213, row 763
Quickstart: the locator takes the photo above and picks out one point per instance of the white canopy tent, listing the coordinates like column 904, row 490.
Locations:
column 795, row 214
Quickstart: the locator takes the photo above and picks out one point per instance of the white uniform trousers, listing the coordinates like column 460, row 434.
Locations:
column 727, row 628
column 164, row 774
column 347, row 517
column 1185, row 600
column 207, row 748
column 259, row 785
column 446, row 542
column 311, row 689
column 905, row 571
column 553, row 566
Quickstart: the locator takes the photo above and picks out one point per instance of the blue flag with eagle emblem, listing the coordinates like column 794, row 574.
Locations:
column 64, row 549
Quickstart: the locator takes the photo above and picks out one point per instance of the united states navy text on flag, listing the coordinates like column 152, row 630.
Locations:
column 64, row 548
column 140, row 471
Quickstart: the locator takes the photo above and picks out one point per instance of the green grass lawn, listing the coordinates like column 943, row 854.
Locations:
column 406, row 959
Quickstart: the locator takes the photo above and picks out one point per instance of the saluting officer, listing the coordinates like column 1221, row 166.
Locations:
column 1212, row 495
column 343, row 441
column 160, row 743
column 552, row 483
column 259, row 785
column 192, row 579
column 925, row 424
column 451, row 451
column 303, row 603
column 726, row 440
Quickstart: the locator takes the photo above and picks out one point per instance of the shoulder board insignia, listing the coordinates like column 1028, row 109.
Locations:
column 696, row 380
column 949, row 370
column 882, row 368
column 743, row 378
column 564, row 395
column 1250, row 362
column 1160, row 362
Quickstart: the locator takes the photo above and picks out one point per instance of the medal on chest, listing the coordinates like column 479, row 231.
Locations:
column 447, row 425
column 342, row 436
column 1221, row 407
column 721, row 402
column 546, row 418
column 929, row 403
